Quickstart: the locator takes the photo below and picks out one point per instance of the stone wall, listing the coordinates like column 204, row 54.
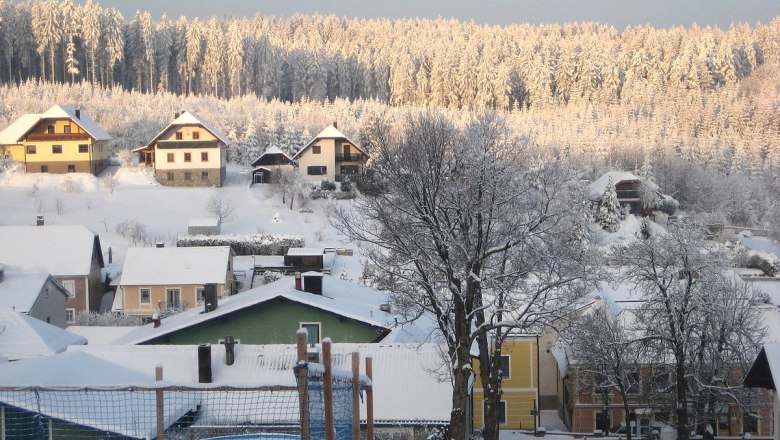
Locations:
column 179, row 177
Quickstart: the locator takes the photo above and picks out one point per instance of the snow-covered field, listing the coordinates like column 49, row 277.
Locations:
column 165, row 211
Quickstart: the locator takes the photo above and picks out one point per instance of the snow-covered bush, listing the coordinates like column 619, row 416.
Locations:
column 133, row 230
column 338, row 195
column 255, row 244
column 765, row 262
column 270, row 276
column 346, row 186
column 108, row 319
column 327, row 185
column 667, row 205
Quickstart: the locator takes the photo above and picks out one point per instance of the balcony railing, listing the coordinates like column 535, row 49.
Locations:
column 355, row 157
column 57, row 136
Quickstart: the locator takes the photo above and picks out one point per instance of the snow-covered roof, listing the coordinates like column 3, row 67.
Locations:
column 83, row 121
column 401, row 372
column 204, row 221
column 271, row 151
column 20, row 291
column 330, row 132
column 180, row 265
column 19, row 128
column 340, row 297
column 185, row 118
column 61, row 250
column 597, row 188
column 305, row 251
column 15, row 132
column 24, row 337
column 100, row 335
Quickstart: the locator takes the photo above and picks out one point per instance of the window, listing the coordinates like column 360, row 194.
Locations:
column 146, row 296
column 317, row 170
column 188, row 157
column 349, row 169
column 71, row 168
column 504, row 367
column 66, row 129
column 70, row 315
column 204, row 157
column 56, row 149
column 315, row 149
column 633, row 382
column 661, row 382
column 313, row 330
column 196, row 135
column 204, row 175
column 70, row 286
column 178, row 136
column 501, row 412
column 749, row 423
column 187, row 175
column 44, row 168
column 199, row 294
column 169, row 175
column 83, row 148
column 173, row 298
column 50, row 129
column 169, row 156
column 31, row 149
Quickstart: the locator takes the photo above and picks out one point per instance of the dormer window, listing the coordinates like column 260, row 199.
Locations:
column 66, row 129
column 195, row 135
column 50, row 129
column 178, row 136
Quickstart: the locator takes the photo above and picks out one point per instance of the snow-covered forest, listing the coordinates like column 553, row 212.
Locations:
column 695, row 110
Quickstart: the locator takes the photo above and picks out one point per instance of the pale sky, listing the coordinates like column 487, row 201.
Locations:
column 619, row 13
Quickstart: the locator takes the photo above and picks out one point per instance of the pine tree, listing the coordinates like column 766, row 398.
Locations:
column 608, row 213
column 91, row 30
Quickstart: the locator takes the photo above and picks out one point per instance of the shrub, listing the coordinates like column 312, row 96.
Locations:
column 346, row 186
column 255, row 244
column 133, row 230
column 757, row 261
column 327, row 185
column 667, row 205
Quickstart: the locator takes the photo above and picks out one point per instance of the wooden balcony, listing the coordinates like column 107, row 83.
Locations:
column 57, row 137
column 354, row 157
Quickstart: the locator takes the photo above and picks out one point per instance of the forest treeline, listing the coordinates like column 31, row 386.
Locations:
column 441, row 63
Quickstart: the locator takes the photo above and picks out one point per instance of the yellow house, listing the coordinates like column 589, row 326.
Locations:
column 61, row 140
column 330, row 155
column 520, row 385
column 188, row 152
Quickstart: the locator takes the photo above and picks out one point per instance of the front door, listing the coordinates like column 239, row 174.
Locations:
column 259, row 177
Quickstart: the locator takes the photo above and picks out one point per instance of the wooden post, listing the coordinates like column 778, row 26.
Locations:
column 303, row 385
column 327, row 379
column 370, row 400
column 158, row 376
column 355, row 395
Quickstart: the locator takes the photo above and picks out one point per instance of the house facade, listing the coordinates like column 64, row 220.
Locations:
column 188, row 152
column 519, row 385
column 37, row 295
column 70, row 253
column 61, row 140
column 268, row 167
column 330, row 155
column 273, row 313
column 154, row 279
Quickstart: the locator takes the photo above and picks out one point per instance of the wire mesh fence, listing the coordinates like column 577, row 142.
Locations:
column 134, row 413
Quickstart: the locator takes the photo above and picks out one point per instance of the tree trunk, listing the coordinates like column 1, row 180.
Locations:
column 461, row 374
column 681, row 412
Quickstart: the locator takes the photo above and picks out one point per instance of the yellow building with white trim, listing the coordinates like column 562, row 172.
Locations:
column 61, row 140
column 520, row 385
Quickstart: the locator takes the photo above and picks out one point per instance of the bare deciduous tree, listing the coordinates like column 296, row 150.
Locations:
column 469, row 232
column 223, row 209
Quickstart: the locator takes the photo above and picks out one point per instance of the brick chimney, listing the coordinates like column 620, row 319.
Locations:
column 298, row 281
column 335, row 124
